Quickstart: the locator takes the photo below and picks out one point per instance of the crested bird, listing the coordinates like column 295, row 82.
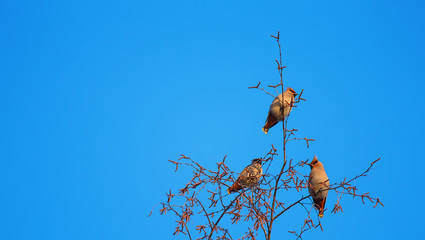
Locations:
column 277, row 112
column 249, row 176
column 318, row 185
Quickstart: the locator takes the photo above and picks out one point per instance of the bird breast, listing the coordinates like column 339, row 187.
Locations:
column 251, row 175
column 318, row 181
column 276, row 108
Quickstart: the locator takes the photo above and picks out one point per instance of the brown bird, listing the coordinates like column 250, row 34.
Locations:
column 249, row 176
column 318, row 181
column 277, row 112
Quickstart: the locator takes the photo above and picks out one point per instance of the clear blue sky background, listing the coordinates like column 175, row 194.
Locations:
column 96, row 96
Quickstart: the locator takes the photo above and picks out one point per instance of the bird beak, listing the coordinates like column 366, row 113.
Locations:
column 309, row 164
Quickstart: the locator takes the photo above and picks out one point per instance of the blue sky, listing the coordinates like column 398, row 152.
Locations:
column 96, row 96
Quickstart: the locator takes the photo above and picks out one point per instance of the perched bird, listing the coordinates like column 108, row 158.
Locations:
column 318, row 181
column 277, row 112
column 249, row 176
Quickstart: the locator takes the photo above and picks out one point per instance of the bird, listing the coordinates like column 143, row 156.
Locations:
column 249, row 176
column 318, row 185
column 277, row 112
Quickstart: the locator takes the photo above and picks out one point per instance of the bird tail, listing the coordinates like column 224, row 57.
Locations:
column 270, row 122
column 320, row 205
column 234, row 188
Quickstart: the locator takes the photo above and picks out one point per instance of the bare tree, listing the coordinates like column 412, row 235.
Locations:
column 202, row 198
